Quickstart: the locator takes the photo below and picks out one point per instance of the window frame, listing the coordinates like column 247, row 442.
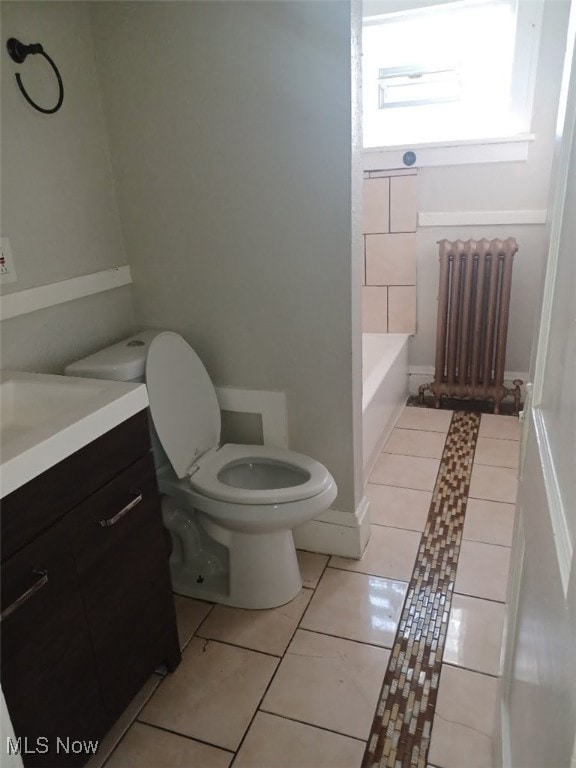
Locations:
column 509, row 146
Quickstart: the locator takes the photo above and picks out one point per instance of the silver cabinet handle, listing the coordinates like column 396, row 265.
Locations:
column 42, row 581
column 113, row 520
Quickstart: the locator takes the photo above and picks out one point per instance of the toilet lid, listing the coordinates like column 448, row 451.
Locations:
column 183, row 401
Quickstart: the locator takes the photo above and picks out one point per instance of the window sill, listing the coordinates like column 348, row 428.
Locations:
column 491, row 150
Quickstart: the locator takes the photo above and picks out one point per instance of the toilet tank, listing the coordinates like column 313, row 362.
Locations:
column 124, row 361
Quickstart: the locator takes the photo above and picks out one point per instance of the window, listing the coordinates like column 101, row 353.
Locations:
column 456, row 71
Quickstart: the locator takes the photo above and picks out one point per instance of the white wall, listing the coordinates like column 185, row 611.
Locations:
column 231, row 140
column 497, row 187
column 58, row 202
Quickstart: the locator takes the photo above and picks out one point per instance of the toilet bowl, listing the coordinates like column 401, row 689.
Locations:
column 229, row 508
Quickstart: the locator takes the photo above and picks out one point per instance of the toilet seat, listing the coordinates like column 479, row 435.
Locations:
column 186, row 416
column 307, row 477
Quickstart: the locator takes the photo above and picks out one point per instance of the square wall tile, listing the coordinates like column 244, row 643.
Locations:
column 403, row 203
column 328, row 682
column 376, row 205
column 402, row 309
column 275, row 742
column 375, row 310
column 391, row 259
column 215, row 684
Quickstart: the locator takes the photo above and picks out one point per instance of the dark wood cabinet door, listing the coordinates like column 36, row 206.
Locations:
column 122, row 564
column 48, row 674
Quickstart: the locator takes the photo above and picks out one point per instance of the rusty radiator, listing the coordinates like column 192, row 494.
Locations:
column 473, row 308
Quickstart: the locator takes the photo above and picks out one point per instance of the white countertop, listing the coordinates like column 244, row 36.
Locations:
column 44, row 419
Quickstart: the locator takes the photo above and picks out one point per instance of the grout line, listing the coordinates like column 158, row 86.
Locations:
column 313, row 725
column 348, row 639
column 184, row 736
column 471, row 669
column 397, row 527
column 480, row 541
column 487, row 599
column 237, row 645
column 272, row 678
column 395, row 579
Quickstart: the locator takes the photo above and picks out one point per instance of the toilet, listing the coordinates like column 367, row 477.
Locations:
column 230, row 509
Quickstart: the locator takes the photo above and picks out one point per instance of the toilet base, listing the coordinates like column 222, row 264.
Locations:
column 244, row 570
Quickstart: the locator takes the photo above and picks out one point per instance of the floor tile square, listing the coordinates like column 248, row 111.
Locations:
column 115, row 734
column 483, row 571
column 215, row 684
column 144, row 746
column 268, row 631
column 493, row 483
column 190, row 614
column 405, row 471
column 274, row 742
column 356, row 606
column 390, row 553
column 328, row 682
column 311, row 566
column 398, row 507
column 491, row 522
column 428, row 419
column 464, row 719
column 498, row 453
column 499, row 427
column 415, row 442
column 474, row 637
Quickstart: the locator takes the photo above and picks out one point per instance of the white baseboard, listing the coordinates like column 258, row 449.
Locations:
column 424, row 374
column 336, row 532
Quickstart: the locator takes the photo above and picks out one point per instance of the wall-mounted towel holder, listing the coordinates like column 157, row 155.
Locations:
column 18, row 52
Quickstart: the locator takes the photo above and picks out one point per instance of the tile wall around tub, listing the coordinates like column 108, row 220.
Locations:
column 389, row 279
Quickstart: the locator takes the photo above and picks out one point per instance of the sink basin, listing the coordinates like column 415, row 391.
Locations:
column 45, row 418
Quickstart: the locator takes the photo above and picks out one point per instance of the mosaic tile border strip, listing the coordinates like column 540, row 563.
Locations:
column 402, row 725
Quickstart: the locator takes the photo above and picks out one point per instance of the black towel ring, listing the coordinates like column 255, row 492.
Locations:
column 18, row 52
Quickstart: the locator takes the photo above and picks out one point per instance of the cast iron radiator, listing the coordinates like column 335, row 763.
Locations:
column 473, row 308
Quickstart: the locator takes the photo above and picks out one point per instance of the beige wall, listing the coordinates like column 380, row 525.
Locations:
column 231, row 141
column 496, row 187
column 58, row 203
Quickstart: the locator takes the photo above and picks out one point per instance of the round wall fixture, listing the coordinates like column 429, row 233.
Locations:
column 18, row 52
column 409, row 158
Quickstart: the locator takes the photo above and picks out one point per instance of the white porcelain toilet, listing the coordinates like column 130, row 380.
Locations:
column 230, row 509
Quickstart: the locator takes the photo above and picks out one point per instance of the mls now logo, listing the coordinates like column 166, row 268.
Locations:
column 41, row 745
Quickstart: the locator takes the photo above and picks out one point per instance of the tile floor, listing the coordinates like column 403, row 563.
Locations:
column 298, row 686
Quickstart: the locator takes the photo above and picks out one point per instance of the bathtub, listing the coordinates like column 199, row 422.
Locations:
column 384, row 389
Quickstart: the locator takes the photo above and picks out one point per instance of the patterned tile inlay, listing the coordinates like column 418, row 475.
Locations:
column 400, row 734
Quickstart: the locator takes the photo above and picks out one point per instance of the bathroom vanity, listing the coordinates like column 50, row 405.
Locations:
column 87, row 606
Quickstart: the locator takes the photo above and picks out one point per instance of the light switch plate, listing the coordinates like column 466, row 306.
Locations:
column 7, row 269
